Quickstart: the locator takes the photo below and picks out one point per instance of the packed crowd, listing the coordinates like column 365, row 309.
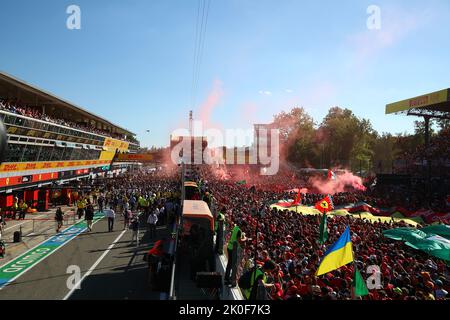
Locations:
column 437, row 152
column 32, row 153
column 384, row 198
column 411, row 197
column 290, row 240
column 421, row 194
column 147, row 192
column 35, row 114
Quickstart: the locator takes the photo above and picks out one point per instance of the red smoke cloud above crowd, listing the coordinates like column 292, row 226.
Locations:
column 343, row 182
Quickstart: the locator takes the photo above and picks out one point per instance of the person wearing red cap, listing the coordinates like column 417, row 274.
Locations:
column 157, row 250
column 153, row 256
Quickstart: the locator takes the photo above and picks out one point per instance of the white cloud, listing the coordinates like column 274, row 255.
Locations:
column 265, row 92
column 398, row 24
column 288, row 90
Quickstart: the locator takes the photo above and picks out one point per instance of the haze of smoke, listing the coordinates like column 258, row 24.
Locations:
column 220, row 173
column 342, row 183
column 208, row 106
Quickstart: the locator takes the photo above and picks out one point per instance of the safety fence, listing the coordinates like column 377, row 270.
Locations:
column 33, row 227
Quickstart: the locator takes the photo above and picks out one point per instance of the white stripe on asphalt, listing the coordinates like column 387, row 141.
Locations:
column 39, row 261
column 16, row 225
column 91, row 269
column 19, row 224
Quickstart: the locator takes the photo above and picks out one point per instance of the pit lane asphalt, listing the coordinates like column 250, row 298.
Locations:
column 121, row 275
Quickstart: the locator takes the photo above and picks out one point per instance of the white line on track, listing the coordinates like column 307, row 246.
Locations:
column 19, row 224
column 91, row 269
column 39, row 261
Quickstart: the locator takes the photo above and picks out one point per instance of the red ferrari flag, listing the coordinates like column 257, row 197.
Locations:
column 325, row 205
column 298, row 199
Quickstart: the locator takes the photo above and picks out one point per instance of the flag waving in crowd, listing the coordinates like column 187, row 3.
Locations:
column 323, row 229
column 338, row 255
column 325, row 205
column 359, row 286
column 298, row 199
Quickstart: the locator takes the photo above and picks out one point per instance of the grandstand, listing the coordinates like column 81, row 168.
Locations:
column 433, row 105
column 425, row 170
column 52, row 141
column 433, row 154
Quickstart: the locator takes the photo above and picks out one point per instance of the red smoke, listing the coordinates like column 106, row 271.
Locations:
column 304, row 190
column 342, row 183
column 208, row 106
column 220, row 173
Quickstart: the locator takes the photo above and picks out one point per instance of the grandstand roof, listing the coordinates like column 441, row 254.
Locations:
column 37, row 96
column 435, row 104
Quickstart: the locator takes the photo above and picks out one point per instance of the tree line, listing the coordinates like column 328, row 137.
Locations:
column 344, row 140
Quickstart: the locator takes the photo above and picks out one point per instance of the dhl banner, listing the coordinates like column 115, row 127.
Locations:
column 107, row 155
column 25, row 166
column 113, row 144
column 419, row 102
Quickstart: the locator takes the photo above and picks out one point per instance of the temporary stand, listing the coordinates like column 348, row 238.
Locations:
column 435, row 105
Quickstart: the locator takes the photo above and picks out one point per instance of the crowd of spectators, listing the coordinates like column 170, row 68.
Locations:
column 420, row 194
column 36, row 114
column 290, row 240
column 146, row 191
column 436, row 155
column 34, row 153
column 412, row 197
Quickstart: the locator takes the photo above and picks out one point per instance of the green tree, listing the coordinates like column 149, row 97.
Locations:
column 297, row 136
column 385, row 150
column 346, row 139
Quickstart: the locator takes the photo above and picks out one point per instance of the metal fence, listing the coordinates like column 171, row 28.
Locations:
column 35, row 227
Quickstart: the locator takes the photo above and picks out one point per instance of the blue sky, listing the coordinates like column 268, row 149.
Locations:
column 132, row 60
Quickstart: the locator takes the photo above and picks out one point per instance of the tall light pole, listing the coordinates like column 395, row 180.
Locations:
column 191, row 120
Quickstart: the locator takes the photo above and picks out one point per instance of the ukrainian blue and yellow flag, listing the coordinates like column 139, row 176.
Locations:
column 338, row 255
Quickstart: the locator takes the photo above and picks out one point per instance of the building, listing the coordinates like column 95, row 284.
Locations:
column 189, row 150
column 52, row 141
column 263, row 142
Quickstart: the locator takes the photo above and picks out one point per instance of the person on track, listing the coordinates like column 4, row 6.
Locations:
column 100, row 202
column 135, row 228
column 2, row 219
column 81, row 204
column 59, row 217
column 154, row 256
column 23, row 207
column 152, row 221
column 127, row 215
column 15, row 208
column 111, row 215
column 89, row 215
